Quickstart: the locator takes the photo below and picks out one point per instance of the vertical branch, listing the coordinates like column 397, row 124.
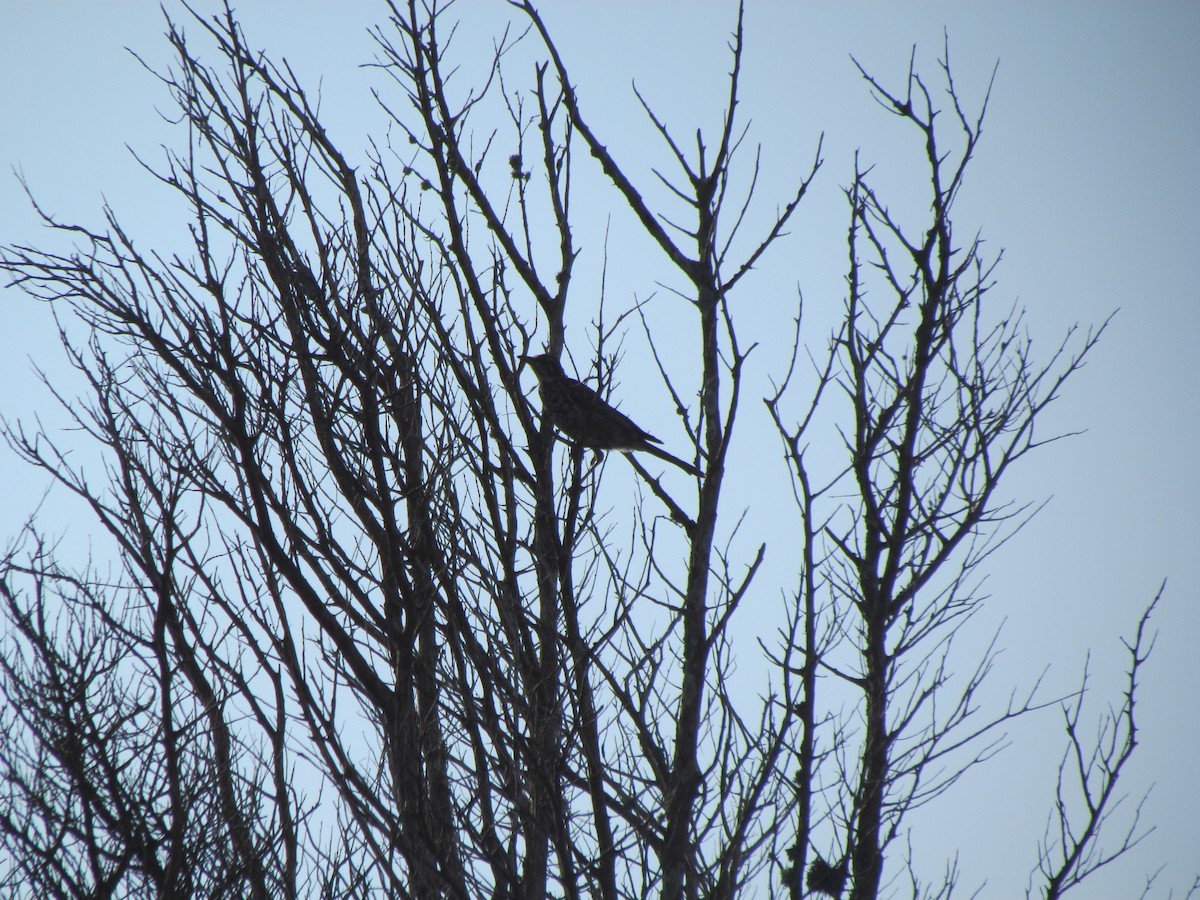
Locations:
column 1091, row 770
column 942, row 397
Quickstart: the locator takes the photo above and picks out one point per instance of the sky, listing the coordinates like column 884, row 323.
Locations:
column 1087, row 177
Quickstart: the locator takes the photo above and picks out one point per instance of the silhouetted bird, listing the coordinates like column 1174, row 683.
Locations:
column 583, row 415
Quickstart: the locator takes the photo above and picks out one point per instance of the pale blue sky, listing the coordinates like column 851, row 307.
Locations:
column 1086, row 176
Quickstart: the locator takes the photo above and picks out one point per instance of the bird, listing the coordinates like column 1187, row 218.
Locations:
column 587, row 419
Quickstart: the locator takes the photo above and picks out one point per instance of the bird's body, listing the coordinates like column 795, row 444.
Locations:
column 586, row 418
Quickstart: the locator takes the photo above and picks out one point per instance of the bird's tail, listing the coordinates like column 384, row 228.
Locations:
column 674, row 460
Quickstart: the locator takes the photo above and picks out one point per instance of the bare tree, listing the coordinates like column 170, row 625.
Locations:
column 368, row 632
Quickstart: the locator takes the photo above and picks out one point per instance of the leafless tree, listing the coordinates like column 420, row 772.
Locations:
column 369, row 631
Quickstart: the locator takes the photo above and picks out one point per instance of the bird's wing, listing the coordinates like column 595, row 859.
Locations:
column 581, row 395
column 604, row 417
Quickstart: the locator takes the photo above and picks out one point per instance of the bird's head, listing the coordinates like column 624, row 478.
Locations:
column 544, row 365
